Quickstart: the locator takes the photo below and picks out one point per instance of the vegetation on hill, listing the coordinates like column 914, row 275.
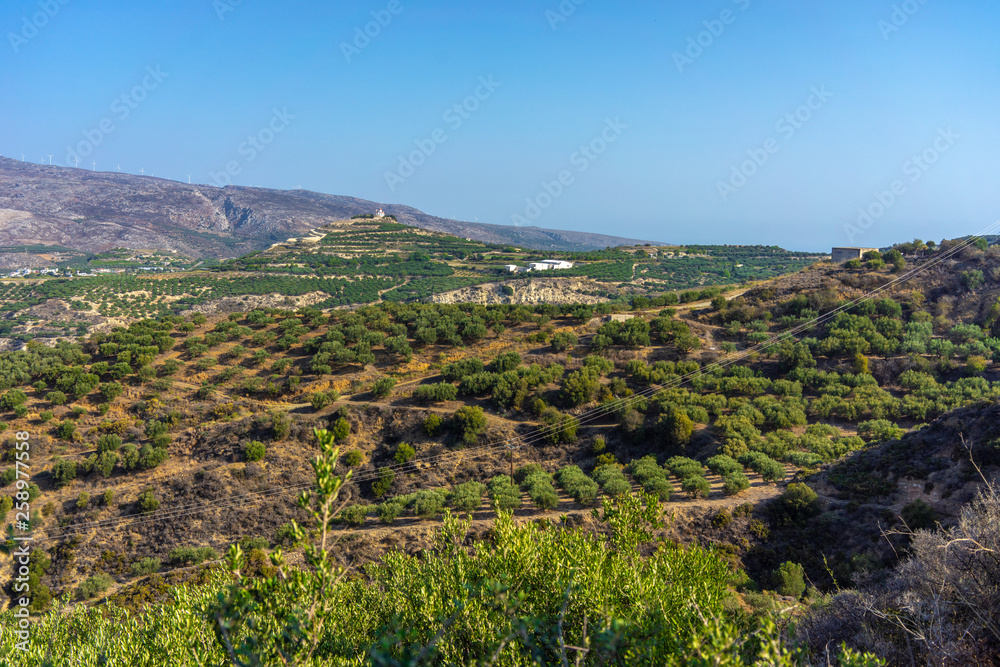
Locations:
column 534, row 596
column 354, row 262
column 485, row 410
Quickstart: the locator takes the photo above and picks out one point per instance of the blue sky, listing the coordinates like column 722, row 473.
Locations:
column 725, row 121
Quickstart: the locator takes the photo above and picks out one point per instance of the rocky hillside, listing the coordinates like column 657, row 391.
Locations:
column 534, row 291
column 96, row 211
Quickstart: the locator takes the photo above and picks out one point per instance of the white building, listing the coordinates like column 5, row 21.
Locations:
column 379, row 213
column 539, row 266
column 557, row 264
column 510, row 268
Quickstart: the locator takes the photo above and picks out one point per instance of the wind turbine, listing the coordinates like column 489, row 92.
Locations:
column 142, row 171
column 189, row 179
column 77, row 161
column 119, row 169
column 22, row 157
column 50, row 160
column 95, row 165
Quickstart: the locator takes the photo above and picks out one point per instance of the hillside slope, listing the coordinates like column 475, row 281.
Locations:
column 96, row 211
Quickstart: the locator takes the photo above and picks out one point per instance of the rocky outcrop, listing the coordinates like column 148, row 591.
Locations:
column 248, row 302
column 532, row 291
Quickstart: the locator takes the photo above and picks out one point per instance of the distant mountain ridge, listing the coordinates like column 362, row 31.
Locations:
column 95, row 211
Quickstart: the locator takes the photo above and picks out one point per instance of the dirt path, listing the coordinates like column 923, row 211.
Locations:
column 706, row 304
column 680, row 507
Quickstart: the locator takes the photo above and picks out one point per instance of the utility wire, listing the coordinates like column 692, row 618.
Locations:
column 544, row 432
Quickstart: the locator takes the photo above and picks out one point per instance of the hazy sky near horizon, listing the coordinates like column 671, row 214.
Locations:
column 725, row 121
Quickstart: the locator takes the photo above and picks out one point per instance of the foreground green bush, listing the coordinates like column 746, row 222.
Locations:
column 530, row 596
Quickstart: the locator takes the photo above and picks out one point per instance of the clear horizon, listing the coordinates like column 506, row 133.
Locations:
column 729, row 122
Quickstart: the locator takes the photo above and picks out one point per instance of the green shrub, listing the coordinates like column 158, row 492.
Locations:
column 13, row 398
column 254, row 450
column 130, row 457
column 467, row 497
column 321, row 399
column 355, row 514
column 605, row 459
column 66, row 430
column 769, row 469
column 435, row 393
column 723, row 465
column 683, row 467
column 563, row 341
column 383, row 386
column 249, row 543
column 433, row 424
column 148, row 502
column 879, row 430
column 696, row 486
column 103, row 463
column 471, row 423
column 341, row 429
column 504, row 495
column 428, row 502
column 652, row 477
column 386, row 478
column 577, row 484
column 388, row 511
column 611, row 479
column 146, row 566
column 799, row 502
column 56, row 398
column 722, row 518
column 63, row 472
column 94, row 586
column 404, row 453
column 284, row 534
column 192, row 555
column 538, row 485
column 353, row 458
column 108, row 442
column 281, row 424
column 735, row 483
column 150, row 457
column 790, row 580
column 526, row 471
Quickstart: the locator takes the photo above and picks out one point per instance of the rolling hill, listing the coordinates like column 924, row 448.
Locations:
column 97, row 211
